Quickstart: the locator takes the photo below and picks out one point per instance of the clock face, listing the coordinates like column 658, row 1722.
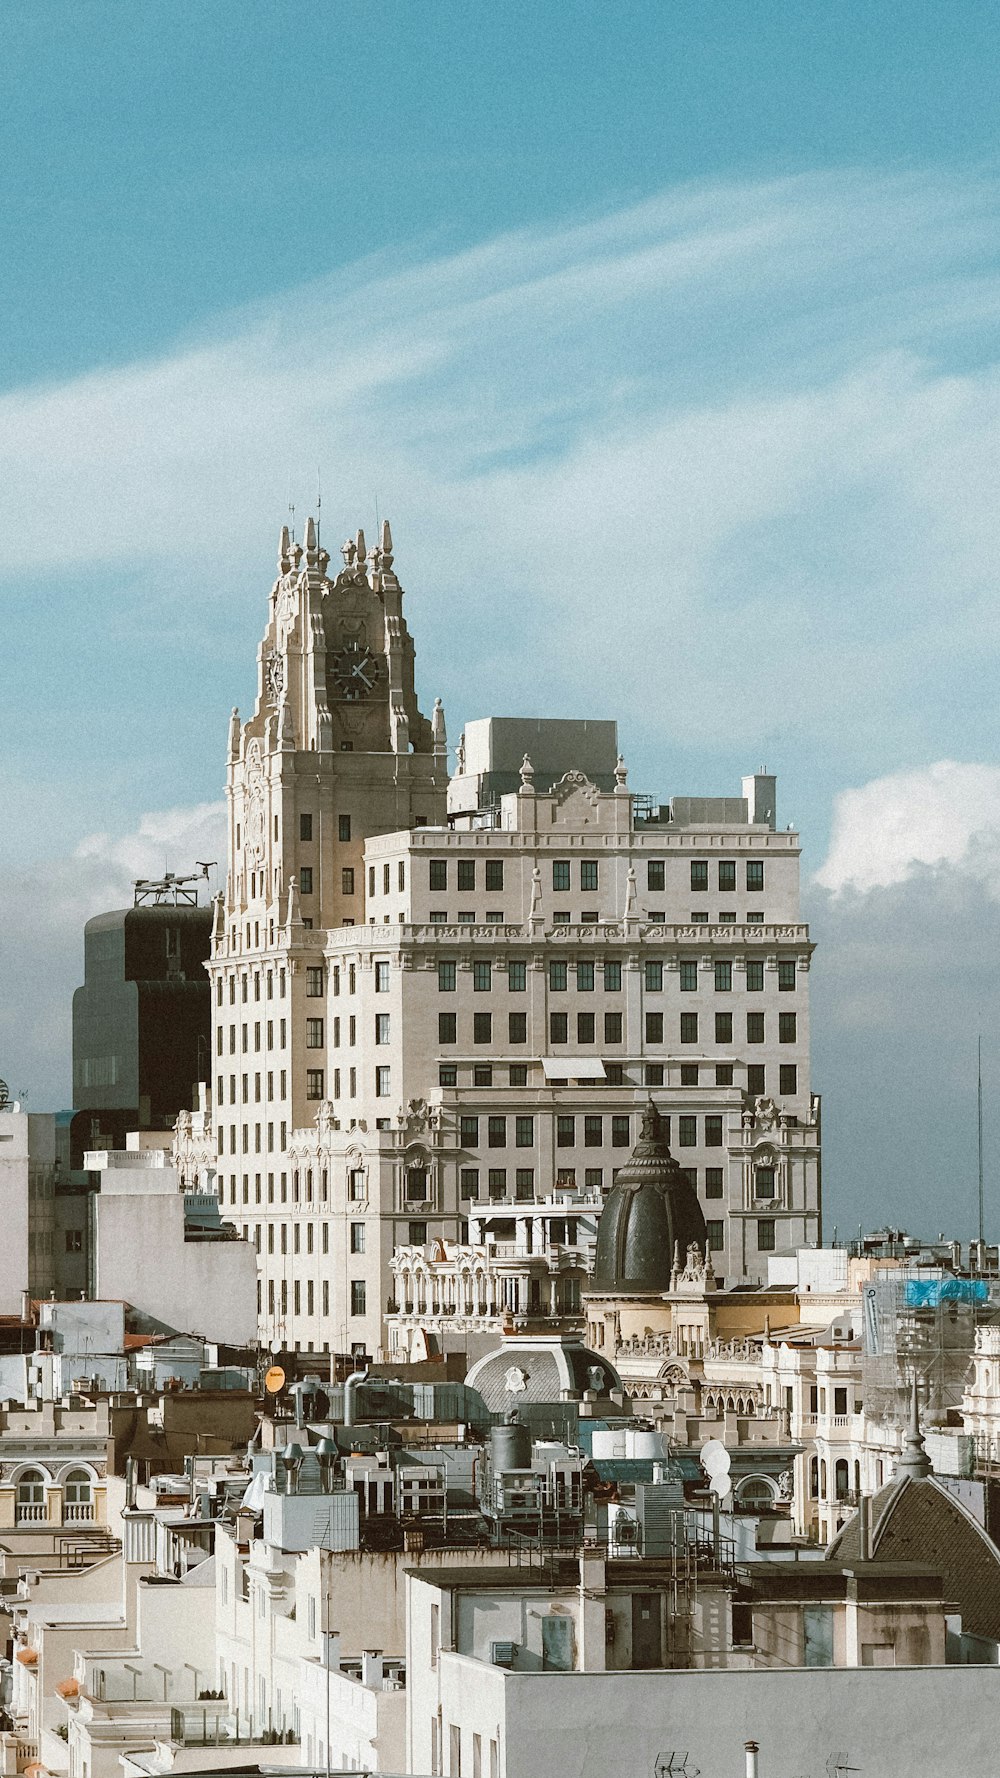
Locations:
column 355, row 672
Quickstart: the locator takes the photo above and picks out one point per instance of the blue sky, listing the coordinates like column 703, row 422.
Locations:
column 665, row 334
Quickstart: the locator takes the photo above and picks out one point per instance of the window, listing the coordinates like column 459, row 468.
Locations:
column 755, row 919
column 689, row 1027
column 496, row 1184
column 524, row 1132
column 494, row 873
column 742, row 1622
column 755, row 1079
column 723, row 1027
column 724, row 1074
column 314, row 983
column 357, row 1237
column 417, row 1232
column 593, row 1132
column 482, row 977
column 687, row 1132
column 381, row 978
column 438, row 919
column 713, row 1132
column 558, row 1027
column 314, row 1034
column 786, row 1027
column 755, row 978
column 840, row 1401
column 496, row 1132
column 788, row 1078
column 447, row 1027
column 654, row 977
column 560, row 873
column 699, row 873
column 314, row 1083
column 585, row 978
column 357, row 1296
column 714, row 1233
column 517, row 1075
column 343, row 827
column 517, row 977
column 385, row 878
column 558, row 977
column 560, row 919
column 689, row 976
column 612, row 978
column 381, row 1027
column 727, row 919
column 347, row 881
column 517, row 1027
column 755, row 1027
column 713, row 1182
column 305, row 879
column 786, row 975
column 468, row 1182
column 765, row 1239
column 612, row 1027
column 654, row 1027
column 437, row 873
column 565, row 1132
column 588, row 873
column 727, row 874
column 305, row 827
column 447, row 978
column 656, row 874
column 654, row 1074
column 620, row 1132
column 755, row 873
column 585, row 1027
column 416, row 1183
column 447, row 1075
column 690, row 1074
column 74, row 1240
column 383, row 1077
column 699, row 918
column 371, row 879
column 723, row 977
column 524, row 1184
column 482, row 1027
column 468, row 1130
column 466, row 873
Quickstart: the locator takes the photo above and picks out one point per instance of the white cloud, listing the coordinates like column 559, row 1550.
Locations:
column 945, row 814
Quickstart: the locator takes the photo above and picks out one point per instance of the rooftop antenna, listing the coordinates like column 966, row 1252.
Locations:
column 378, row 528
column 319, row 505
column 979, row 1125
column 291, row 508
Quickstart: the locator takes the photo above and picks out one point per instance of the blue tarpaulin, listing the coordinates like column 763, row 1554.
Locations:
column 927, row 1293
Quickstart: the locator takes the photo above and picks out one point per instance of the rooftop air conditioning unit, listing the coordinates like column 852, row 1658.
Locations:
column 502, row 1653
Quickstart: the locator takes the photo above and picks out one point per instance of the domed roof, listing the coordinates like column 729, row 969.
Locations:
column 543, row 1368
column 651, row 1209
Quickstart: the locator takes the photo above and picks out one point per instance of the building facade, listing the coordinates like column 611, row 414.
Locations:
column 422, row 1015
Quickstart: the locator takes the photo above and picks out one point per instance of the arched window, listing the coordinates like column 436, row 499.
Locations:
column 814, row 1478
column 841, row 1478
column 78, row 1489
column 822, row 1477
column 31, row 1497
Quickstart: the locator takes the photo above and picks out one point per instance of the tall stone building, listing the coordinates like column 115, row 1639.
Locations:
column 428, row 997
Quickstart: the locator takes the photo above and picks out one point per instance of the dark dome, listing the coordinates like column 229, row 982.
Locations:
column 651, row 1209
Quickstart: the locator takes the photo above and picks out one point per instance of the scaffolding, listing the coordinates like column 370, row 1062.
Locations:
column 920, row 1327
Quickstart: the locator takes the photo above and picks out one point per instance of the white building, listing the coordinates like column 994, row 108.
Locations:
column 417, row 1014
column 27, row 1192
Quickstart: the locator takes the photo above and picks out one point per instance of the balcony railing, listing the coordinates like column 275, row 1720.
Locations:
column 208, row 1725
column 30, row 1512
column 78, row 1512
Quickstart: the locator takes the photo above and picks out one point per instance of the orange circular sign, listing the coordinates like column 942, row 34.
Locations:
column 274, row 1380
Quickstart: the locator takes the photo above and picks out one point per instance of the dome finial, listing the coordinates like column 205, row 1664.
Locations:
column 914, row 1461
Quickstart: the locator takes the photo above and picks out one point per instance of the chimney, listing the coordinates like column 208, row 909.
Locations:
column 372, row 1668
column 752, row 1751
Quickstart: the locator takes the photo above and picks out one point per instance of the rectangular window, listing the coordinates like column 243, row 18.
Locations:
column 437, row 873
column 565, row 1131
column 714, row 1233
column 654, row 978
column 482, row 1074
column 560, row 873
column 517, row 1027
column 588, row 873
column 496, row 1132
column 558, row 1027
column 687, row 1132
column 314, row 983
column 724, row 1074
column 689, row 1027
column 755, row 1027
column 447, row 1075
column 447, row 978
column 654, row 1027
column 314, row 1083
column 585, row 978
column 653, row 1074
column 468, row 1183
column 468, row 1130
column 381, row 1027
column 466, row 873
column 357, row 1237
column 727, row 875
column 314, row 1034
column 524, row 1132
column 788, row 1076
column 755, row 978
column 699, row 873
column 723, row 977
column 371, row 879
column 585, row 1027
column 763, row 1182
column 385, row 878
column 593, row 1132
column 343, row 827
column 755, row 873
column 347, row 881
column 381, row 978
column 656, row 874
column 755, row 1079
column 558, row 977
column 765, row 1234
column 713, row 1182
column 612, row 978
column 786, row 1027
column 612, row 1027
column 496, row 1184
column 482, row 1027
column 517, row 977
column 305, row 879
column 688, row 971
column 524, row 1184
column 417, row 1232
column 723, row 1027
column 713, row 1132
column 482, row 977
column 383, row 1077
column 620, row 1132
column 357, row 1296
column 517, row 1075
column 786, row 975
column 494, row 873
column 305, row 827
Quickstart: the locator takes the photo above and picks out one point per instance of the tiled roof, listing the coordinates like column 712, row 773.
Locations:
column 919, row 1521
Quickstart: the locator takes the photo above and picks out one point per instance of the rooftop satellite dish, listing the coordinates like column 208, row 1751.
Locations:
column 716, row 1462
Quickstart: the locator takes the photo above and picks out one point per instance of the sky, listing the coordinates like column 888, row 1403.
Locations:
column 665, row 335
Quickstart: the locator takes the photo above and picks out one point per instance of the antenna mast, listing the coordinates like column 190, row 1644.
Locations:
column 979, row 1119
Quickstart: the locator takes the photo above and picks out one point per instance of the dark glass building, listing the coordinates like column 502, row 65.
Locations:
column 141, row 1022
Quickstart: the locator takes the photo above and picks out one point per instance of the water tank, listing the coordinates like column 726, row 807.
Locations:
column 511, row 1447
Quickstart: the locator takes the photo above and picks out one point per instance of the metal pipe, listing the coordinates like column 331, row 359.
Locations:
column 355, row 1377
column 752, row 1751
